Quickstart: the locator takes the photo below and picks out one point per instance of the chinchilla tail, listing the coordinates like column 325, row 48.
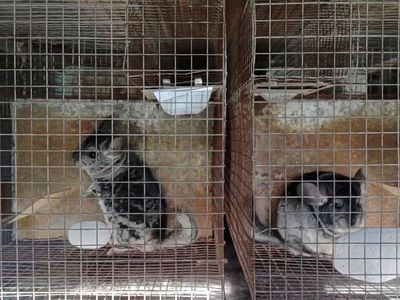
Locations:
column 185, row 236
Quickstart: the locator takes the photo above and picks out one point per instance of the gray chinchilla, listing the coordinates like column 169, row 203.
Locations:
column 318, row 208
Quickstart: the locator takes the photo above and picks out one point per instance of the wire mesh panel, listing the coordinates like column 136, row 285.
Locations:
column 320, row 109
column 183, row 41
column 239, row 167
column 111, row 161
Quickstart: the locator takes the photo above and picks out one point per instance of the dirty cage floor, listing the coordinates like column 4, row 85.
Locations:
column 54, row 268
column 284, row 276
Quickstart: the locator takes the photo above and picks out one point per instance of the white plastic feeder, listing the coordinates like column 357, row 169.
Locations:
column 89, row 235
column 371, row 254
column 181, row 100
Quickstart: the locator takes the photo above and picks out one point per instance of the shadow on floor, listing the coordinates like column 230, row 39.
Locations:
column 236, row 287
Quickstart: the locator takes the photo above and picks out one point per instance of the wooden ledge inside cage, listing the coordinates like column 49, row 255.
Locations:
column 340, row 136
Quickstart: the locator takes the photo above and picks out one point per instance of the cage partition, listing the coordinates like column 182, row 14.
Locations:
column 155, row 71
column 312, row 86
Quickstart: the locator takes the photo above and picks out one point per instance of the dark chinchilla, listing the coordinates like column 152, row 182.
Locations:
column 128, row 193
column 318, row 208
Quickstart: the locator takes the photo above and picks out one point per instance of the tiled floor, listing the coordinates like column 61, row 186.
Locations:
column 236, row 287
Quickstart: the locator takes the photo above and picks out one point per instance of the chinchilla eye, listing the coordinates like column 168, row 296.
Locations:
column 338, row 205
column 92, row 154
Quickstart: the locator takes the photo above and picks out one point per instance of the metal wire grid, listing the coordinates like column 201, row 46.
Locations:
column 65, row 53
column 6, row 160
column 182, row 42
column 346, row 52
column 284, row 279
column 57, row 269
column 238, row 169
column 319, row 30
column 98, row 20
column 314, row 62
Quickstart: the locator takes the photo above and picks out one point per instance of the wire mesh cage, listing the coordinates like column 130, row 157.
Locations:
column 112, row 138
column 312, row 97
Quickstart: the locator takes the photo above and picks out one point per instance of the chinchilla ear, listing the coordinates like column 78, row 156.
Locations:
column 118, row 143
column 360, row 176
column 312, row 194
